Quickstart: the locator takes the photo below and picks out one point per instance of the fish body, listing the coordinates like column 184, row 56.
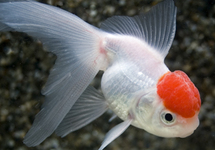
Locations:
column 136, row 85
column 131, row 73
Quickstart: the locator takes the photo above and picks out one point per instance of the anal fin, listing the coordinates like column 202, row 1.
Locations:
column 90, row 105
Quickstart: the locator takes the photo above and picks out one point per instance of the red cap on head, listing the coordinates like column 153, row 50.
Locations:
column 179, row 94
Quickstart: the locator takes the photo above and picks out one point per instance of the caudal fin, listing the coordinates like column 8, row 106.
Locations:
column 76, row 45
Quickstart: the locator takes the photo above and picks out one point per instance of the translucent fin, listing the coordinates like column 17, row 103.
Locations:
column 90, row 105
column 76, row 45
column 112, row 118
column 156, row 27
column 115, row 132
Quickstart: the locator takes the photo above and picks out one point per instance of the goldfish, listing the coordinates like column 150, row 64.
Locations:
column 136, row 84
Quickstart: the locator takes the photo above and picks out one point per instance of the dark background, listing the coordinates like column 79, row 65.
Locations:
column 24, row 68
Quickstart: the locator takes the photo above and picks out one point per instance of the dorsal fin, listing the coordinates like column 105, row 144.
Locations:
column 156, row 27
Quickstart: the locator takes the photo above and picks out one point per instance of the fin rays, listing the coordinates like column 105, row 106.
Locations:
column 156, row 27
column 76, row 45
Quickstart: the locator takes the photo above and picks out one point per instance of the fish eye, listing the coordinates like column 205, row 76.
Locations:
column 168, row 118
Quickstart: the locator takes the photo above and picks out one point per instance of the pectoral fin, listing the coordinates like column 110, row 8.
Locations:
column 115, row 132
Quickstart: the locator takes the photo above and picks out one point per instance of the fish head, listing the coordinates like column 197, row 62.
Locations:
column 172, row 109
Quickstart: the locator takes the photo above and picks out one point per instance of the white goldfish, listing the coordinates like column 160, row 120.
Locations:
column 136, row 85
